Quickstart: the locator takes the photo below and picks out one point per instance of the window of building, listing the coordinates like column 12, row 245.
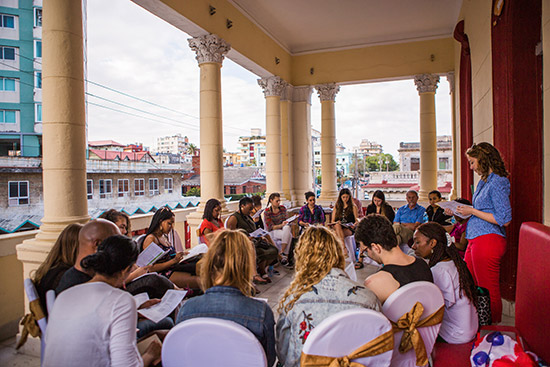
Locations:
column 38, row 112
column 90, row 189
column 7, row 116
column 7, row 21
column 7, row 53
column 153, row 186
column 38, row 79
column 232, row 189
column 18, row 193
column 415, row 164
column 105, row 189
column 225, row 190
column 37, row 48
column 37, row 17
column 123, row 188
column 168, row 185
column 7, row 84
column 139, row 187
column 244, row 189
column 444, row 163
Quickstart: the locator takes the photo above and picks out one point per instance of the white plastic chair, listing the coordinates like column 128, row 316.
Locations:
column 210, row 342
column 349, row 242
column 402, row 301
column 342, row 333
column 50, row 299
column 32, row 295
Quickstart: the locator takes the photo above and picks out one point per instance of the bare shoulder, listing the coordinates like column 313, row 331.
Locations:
column 382, row 284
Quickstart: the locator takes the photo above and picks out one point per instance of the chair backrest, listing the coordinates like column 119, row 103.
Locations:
column 32, row 295
column 210, row 342
column 50, row 299
column 402, row 301
column 533, row 287
column 342, row 333
column 139, row 241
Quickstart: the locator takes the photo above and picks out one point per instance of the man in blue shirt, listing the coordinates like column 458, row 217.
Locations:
column 408, row 218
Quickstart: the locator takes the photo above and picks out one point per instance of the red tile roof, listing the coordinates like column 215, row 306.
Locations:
column 110, row 155
column 102, row 143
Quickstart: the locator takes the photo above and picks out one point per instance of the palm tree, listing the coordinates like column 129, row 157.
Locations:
column 191, row 149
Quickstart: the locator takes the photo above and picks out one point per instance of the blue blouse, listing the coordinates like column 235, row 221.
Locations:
column 492, row 197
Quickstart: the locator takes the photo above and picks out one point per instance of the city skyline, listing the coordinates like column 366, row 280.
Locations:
column 148, row 58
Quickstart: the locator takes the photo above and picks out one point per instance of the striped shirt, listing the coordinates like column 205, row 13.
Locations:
column 272, row 219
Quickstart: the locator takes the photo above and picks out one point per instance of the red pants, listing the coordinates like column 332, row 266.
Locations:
column 483, row 257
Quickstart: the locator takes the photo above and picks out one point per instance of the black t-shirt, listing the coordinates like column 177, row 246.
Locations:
column 405, row 274
column 71, row 278
column 50, row 280
column 437, row 215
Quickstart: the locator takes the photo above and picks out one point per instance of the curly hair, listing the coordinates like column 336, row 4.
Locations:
column 317, row 252
column 442, row 252
column 340, row 210
column 488, row 159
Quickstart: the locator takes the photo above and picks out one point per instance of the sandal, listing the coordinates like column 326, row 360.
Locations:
column 259, row 280
column 266, row 278
column 359, row 264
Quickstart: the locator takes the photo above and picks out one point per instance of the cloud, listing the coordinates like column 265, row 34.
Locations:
column 142, row 55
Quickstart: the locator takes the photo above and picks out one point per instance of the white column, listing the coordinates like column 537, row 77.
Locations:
column 301, row 142
column 273, row 88
column 286, row 142
column 210, row 50
column 426, row 84
column 327, row 94
column 451, row 79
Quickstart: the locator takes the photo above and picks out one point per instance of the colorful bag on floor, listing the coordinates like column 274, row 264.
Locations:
column 499, row 350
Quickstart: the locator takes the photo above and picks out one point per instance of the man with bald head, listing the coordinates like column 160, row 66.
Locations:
column 89, row 237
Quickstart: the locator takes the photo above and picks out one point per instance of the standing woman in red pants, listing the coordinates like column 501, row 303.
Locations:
column 491, row 213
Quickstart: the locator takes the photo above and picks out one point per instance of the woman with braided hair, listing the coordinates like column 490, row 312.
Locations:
column 320, row 289
column 490, row 214
column 451, row 275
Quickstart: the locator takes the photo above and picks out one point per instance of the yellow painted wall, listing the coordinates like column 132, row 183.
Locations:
column 546, row 105
column 375, row 62
column 11, row 294
column 477, row 25
column 244, row 36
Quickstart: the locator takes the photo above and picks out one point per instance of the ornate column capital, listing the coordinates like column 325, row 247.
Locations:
column 327, row 92
column 426, row 83
column 302, row 94
column 209, row 48
column 287, row 92
column 451, row 79
column 272, row 86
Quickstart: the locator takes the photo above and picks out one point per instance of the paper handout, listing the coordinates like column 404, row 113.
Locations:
column 260, row 232
column 258, row 213
column 199, row 249
column 453, row 205
column 150, row 255
column 172, row 298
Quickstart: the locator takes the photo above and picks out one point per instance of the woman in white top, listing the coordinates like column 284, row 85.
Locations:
column 451, row 275
column 94, row 324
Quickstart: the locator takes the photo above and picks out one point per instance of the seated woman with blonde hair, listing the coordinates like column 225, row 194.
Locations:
column 226, row 272
column 320, row 289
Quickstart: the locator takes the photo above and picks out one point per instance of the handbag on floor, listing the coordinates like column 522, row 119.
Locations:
column 483, row 306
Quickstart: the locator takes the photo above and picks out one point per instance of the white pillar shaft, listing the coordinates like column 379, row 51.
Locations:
column 273, row 145
column 286, row 148
column 301, row 131
column 428, row 145
column 328, row 152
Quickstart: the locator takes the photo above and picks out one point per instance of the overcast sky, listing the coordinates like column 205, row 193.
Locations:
column 134, row 52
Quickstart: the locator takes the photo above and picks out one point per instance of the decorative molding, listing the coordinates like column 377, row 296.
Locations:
column 209, row 48
column 302, row 94
column 451, row 79
column 272, row 86
column 426, row 83
column 327, row 92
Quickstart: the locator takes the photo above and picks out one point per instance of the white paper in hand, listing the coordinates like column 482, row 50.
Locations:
column 260, row 232
column 199, row 249
column 452, row 206
column 141, row 298
column 169, row 302
column 150, row 255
